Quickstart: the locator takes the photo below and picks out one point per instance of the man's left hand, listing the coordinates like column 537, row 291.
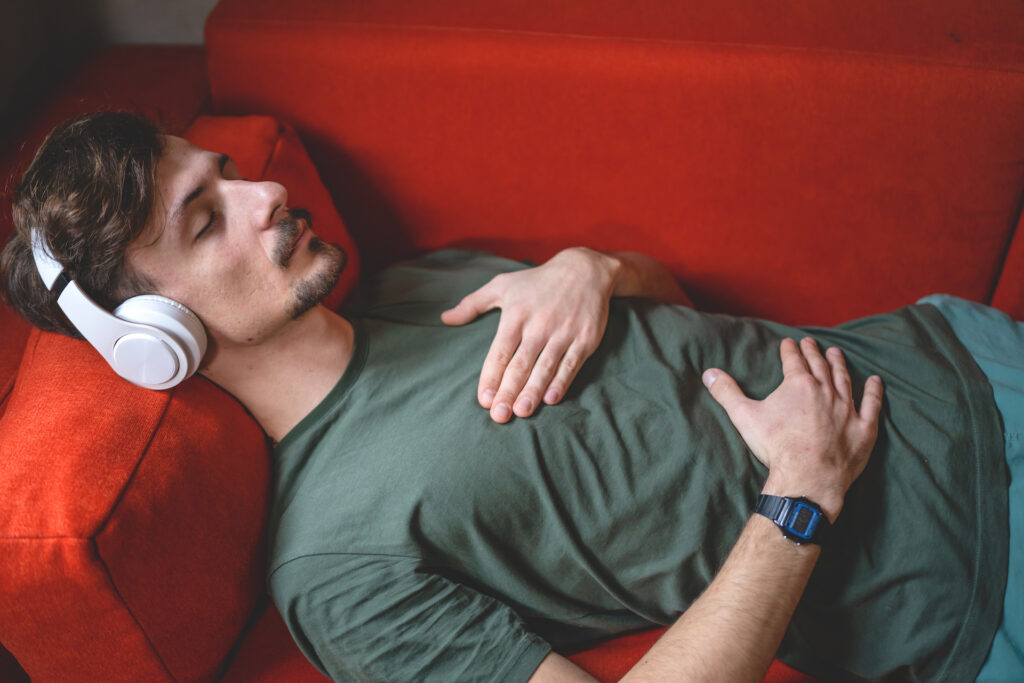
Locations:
column 552, row 319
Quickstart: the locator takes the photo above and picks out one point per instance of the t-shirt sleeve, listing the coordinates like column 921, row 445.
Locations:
column 383, row 618
column 418, row 290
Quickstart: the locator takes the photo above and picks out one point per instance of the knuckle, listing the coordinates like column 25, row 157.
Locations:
column 547, row 364
column 570, row 364
column 520, row 364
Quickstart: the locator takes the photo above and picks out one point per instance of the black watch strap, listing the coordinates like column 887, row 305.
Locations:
column 799, row 519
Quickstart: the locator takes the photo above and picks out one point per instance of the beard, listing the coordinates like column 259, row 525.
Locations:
column 331, row 260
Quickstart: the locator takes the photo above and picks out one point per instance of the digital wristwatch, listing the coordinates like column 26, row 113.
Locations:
column 800, row 519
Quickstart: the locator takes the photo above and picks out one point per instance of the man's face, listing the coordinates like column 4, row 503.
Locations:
column 229, row 249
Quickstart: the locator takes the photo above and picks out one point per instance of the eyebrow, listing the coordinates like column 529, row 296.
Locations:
column 222, row 161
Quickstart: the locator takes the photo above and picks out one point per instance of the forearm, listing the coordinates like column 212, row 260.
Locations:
column 731, row 633
column 642, row 276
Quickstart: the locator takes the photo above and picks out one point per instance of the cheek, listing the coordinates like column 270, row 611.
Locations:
column 243, row 305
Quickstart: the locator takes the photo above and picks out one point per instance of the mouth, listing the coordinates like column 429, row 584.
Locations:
column 302, row 232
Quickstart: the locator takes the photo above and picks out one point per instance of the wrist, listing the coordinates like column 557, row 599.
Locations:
column 828, row 498
column 623, row 278
column 613, row 269
column 780, row 546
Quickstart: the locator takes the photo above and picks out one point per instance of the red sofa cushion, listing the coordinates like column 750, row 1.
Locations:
column 132, row 522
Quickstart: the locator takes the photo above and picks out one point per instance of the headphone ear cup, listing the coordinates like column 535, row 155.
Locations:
column 182, row 326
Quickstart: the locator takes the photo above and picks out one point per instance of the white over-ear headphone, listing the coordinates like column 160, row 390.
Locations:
column 149, row 340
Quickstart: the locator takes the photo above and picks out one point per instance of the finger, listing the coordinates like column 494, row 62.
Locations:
column 572, row 361
column 871, row 403
column 840, row 375
column 543, row 372
column 472, row 305
column 724, row 389
column 512, row 382
column 503, row 348
column 815, row 361
column 793, row 362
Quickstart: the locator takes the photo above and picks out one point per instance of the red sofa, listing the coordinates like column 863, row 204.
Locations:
column 784, row 162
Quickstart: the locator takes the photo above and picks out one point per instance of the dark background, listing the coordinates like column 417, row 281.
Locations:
column 41, row 41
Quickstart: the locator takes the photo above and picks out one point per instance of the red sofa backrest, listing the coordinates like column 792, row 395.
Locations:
column 786, row 159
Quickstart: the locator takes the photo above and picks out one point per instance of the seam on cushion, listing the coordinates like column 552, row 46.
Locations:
column 1006, row 250
column 6, row 391
column 103, row 525
column 110, row 580
column 281, row 132
column 263, row 602
column 128, row 609
column 142, row 455
column 31, row 342
column 768, row 47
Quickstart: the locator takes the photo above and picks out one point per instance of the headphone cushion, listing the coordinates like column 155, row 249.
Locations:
column 172, row 318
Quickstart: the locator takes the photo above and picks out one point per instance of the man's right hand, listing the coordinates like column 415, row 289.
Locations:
column 808, row 431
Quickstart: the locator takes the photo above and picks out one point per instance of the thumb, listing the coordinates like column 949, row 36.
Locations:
column 724, row 389
column 466, row 310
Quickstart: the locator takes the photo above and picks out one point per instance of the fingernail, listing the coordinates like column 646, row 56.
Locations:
column 502, row 412
column 524, row 405
column 488, row 395
column 551, row 396
column 709, row 378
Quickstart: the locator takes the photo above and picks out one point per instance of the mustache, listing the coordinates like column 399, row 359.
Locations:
column 288, row 228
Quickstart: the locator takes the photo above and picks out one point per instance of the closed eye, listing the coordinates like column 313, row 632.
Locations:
column 209, row 224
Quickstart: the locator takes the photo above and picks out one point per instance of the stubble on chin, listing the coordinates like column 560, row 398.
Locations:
column 315, row 288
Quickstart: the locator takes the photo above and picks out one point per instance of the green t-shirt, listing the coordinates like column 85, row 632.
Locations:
column 415, row 539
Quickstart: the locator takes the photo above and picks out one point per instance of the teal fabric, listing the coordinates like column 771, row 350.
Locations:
column 996, row 342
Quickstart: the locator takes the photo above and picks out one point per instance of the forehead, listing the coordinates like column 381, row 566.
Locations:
column 178, row 168
column 178, row 172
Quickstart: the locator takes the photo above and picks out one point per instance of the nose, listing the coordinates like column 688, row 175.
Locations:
column 260, row 201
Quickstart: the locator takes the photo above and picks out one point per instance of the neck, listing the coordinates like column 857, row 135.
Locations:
column 282, row 380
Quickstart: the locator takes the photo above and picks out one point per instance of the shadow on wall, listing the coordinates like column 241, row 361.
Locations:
column 42, row 42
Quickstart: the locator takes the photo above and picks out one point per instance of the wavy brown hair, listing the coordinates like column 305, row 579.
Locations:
column 89, row 190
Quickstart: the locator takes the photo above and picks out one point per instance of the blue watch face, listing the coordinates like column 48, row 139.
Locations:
column 803, row 520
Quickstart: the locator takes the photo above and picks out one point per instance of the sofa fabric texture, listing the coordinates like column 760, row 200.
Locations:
column 139, row 510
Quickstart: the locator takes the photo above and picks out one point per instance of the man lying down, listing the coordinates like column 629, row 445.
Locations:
column 621, row 461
